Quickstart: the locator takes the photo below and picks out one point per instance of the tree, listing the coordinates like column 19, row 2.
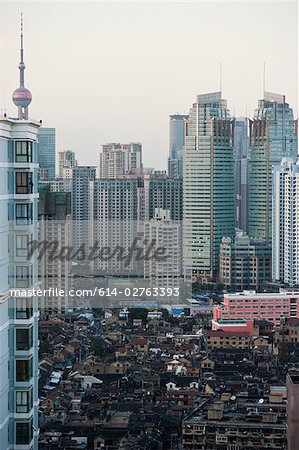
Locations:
column 138, row 313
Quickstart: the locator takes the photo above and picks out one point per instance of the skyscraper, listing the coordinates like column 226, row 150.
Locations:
column 245, row 263
column 54, row 214
column 166, row 193
column 165, row 273
column 176, row 145
column 113, row 212
column 272, row 136
column 285, row 224
column 119, row 159
column 66, row 162
column 18, row 270
column 241, row 174
column 208, row 185
column 46, row 153
column 82, row 175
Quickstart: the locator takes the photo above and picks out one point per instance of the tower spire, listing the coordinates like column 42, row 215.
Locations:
column 22, row 65
column 22, row 96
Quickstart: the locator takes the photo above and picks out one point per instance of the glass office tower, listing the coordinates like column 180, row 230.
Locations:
column 46, row 153
column 208, row 185
column 272, row 136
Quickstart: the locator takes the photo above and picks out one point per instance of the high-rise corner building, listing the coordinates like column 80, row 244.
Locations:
column 18, row 271
column 119, row 159
column 177, row 124
column 272, row 136
column 46, row 153
column 208, row 185
column 285, row 223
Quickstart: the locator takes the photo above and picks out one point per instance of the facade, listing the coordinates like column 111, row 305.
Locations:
column 176, row 145
column 250, row 305
column 66, row 162
column 58, row 184
column 241, row 172
column 228, row 339
column 18, row 315
column 54, row 213
column 292, row 410
column 82, row 175
column 165, row 273
column 215, row 425
column 46, row 149
column 285, row 223
column 118, row 159
column 272, row 136
column 113, row 220
column 208, row 185
column 165, row 193
column 18, row 272
column 245, row 263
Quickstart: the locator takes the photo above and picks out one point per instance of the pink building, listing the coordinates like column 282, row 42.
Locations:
column 250, row 305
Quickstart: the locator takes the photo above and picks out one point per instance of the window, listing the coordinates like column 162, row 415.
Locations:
column 23, row 276
column 24, row 183
column 23, row 369
column 23, row 338
column 22, row 244
column 24, row 308
column 23, row 213
column 24, row 432
column 23, row 401
column 23, row 151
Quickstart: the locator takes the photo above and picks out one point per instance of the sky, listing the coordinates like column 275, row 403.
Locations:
column 114, row 72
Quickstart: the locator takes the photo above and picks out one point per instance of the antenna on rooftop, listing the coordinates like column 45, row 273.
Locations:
column 220, row 76
column 264, row 78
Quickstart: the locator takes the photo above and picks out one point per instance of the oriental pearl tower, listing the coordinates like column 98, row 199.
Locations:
column 21, row 96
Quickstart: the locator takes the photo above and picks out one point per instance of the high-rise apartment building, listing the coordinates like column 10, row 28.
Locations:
column 113, row 218
column 54, row 214
column 119, row 159
column 272, row 136
column 82, row 175
column 208, row 185
column 66, row 162
column 18, row 271
column 245, row 263
column 241, row 173
column 46, row 149
column 176, row 145
column 285, row 223
column 166, row 193
column 167, row 272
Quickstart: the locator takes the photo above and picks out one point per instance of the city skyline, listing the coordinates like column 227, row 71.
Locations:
column 150, row 77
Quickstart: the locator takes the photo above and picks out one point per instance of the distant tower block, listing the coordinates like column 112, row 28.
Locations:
column 21, row 96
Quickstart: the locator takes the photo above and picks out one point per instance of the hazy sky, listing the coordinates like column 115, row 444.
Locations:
column 113, row 72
